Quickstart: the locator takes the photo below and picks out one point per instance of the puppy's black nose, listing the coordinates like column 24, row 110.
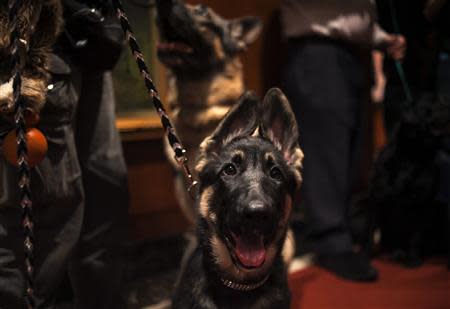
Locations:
column 257, row 215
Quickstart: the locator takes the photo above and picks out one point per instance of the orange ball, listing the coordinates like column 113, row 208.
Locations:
column 36, row 144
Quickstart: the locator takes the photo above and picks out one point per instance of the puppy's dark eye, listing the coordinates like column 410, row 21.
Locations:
column 229, row 170
column 276, row 174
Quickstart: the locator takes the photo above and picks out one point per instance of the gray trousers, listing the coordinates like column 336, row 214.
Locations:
column 324, row 82
column 79, row 200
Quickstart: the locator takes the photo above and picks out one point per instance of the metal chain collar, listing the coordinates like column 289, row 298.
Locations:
column 243, row 287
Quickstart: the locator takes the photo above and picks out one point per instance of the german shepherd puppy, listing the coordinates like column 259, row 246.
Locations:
column 201, row 49
column 249, row 170
column 40, row 22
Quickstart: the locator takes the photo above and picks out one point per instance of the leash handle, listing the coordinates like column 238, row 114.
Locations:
column 171, row 135
column 19, row 49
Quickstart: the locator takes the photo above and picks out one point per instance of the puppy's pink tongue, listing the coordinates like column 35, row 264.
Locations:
column 250, row 250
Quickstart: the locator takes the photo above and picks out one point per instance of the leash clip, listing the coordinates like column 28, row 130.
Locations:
column 182, row 161
column 192, row 189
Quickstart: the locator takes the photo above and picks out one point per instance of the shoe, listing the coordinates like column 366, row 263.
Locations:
column 348, row 265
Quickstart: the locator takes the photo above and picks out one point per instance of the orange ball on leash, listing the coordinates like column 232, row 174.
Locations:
column 36, row 145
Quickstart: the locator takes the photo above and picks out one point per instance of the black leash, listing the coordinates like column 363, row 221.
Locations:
column 174, row 141
column 18, row 52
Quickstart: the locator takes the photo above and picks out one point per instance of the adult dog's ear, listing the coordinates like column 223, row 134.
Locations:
column 243, row 32
column 278, row 124
column 241, row 120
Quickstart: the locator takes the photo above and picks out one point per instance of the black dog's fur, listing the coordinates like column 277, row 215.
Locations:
column 404, row 183
column 249, row 169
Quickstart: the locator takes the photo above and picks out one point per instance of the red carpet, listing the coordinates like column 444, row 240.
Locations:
column 426, row 287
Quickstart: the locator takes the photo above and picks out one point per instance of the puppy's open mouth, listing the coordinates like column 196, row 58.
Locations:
column 174, row 48
column 175, row 53
column 249, row 251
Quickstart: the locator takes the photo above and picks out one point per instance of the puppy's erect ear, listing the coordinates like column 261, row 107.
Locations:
column 279, row 126
column 243, row 32
column 241, row 120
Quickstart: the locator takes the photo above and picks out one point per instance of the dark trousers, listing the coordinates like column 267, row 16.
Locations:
column 80, row 200
column 324, row 82
column 98, row 266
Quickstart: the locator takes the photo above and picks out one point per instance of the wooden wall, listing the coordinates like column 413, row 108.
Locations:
column 153, row 209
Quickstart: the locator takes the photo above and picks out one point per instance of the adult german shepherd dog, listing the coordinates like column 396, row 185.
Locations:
column 201, row 50
column 249, row 170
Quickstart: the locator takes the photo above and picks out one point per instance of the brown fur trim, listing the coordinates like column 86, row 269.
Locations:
column 40, row 32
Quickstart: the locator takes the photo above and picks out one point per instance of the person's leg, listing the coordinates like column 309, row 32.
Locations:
column 97, row 271
column 326, row 112
column 323, row 83
column 58, row 223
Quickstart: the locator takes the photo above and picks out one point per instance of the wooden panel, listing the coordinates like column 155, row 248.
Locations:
column 153, row 209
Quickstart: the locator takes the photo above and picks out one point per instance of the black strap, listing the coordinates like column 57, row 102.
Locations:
column 19, row 48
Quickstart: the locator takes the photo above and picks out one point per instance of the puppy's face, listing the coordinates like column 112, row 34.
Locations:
column 195, row 39
column 249, row 170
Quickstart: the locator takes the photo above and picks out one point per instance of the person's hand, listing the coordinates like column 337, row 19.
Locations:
column 396, row 46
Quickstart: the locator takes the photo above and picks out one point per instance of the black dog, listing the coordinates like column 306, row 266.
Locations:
column 249, row 169
column 403, row 186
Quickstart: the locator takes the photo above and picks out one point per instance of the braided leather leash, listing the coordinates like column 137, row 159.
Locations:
column 174, row 141
column 18, row 52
